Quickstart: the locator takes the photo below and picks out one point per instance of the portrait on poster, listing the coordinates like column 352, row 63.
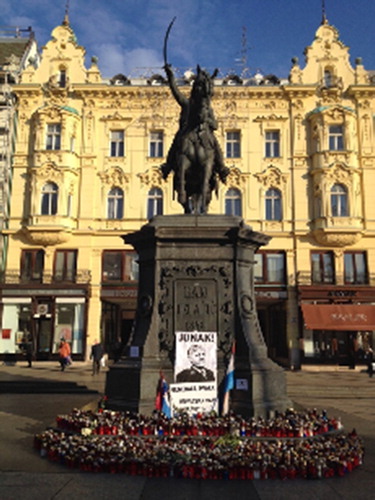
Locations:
column 195, row 357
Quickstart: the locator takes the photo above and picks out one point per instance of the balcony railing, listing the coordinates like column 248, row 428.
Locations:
column 14, row 277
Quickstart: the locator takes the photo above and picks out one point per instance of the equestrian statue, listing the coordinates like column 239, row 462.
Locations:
column 195, row 156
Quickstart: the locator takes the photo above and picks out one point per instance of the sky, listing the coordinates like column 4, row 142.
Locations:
column 241, row 36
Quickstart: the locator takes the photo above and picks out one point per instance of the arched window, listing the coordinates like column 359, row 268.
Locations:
column 273, row 204
column 115, row 204
column 154, row 202
column 233, row 202
column 50, row 193
column 339, row 201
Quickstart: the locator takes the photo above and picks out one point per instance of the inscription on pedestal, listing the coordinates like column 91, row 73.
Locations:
column 195, row 305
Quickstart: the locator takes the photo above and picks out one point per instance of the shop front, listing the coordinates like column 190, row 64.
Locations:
column 43, row 317
column 118, row 312
column 272, row 315
column 338, row 324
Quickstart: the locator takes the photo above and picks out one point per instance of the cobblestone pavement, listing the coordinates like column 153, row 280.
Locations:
column 349, row 394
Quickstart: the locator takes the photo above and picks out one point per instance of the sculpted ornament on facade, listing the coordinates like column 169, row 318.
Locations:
column 336, row 238
column 115, row 117
column 272, row 177
column 339, row 173
column 152, row 177
column 38, row 236
column 114, row 176
column 48, row 171
column 236, row 178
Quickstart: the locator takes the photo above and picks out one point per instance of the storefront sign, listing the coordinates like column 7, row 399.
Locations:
column 9, row 292
column 5, row 333
column 353, row 317
column 270, row 294
column 333, row 293
column 120, row 293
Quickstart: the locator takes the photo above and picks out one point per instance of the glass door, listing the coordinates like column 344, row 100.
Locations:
column 44, row 337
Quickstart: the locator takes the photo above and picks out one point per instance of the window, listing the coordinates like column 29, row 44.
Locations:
column 32, row 265
column 269, row 267
column 154, row 202
column 233, row 202
column 339, row 201
column 62, row 78
column 53, row 136
column 322, row 267
column 117, row 143
column 336, row 138
column 69, row 322
column 65, row 265
column 272, row 144
column 156, row 144
column 273, row 204
column 233, row 145
column 119, row 265
column 327, row 78
column 115, row 204
column 50, row 193
column 355, row 268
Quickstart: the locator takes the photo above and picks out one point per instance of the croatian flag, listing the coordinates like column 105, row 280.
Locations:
column 229, row 381
column 162, row 397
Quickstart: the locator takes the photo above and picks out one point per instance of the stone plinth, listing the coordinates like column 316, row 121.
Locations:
column 196, row 273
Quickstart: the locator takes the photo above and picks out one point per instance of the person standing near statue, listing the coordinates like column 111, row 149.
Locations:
column 28, row 348
column 370, row 361
column 97, row 352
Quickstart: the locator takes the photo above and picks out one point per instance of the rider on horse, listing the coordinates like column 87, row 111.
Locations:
column 195, row 146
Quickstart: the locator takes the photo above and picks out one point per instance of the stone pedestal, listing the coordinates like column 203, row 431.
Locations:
column 196, row 273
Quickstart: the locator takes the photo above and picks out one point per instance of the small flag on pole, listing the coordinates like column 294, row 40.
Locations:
column 162, row 396
column 228, row 381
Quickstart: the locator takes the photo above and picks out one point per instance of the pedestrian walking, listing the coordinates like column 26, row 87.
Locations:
column 28, row 348
column 370, row 360
column 64, row 354
column 97, row 352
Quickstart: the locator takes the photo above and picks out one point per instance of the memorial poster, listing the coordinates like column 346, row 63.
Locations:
column 195, row 373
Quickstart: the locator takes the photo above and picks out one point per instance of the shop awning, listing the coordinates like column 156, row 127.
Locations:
column 339, row 316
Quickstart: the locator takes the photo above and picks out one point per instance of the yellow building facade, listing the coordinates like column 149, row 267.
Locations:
column 87, row 171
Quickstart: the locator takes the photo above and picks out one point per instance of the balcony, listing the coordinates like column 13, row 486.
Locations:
column 337, row 231
column 14, row 277
column 48, row 230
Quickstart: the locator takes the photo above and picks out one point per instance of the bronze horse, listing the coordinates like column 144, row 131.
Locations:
column 195, row 155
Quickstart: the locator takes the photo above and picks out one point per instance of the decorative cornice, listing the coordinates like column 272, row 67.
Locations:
column 271, row 117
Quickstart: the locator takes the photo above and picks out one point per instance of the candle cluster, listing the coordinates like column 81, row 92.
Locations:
column 289, row 445
column 287, row 424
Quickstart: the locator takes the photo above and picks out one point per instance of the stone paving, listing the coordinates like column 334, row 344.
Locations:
column 349, row 394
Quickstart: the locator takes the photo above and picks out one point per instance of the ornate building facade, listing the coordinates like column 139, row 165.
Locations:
column 87, row 171
column 18, row 49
